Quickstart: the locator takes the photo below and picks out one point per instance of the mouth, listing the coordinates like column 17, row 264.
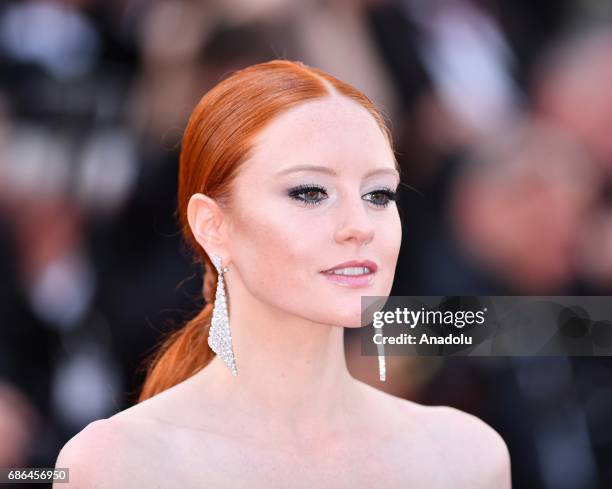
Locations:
column 352, row 274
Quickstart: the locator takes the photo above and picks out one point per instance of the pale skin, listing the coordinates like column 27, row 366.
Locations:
column 294, row 416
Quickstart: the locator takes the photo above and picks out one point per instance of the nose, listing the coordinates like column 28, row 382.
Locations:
column 356, row 227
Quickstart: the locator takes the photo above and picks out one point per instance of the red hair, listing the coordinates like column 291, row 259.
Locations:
column 217, row 140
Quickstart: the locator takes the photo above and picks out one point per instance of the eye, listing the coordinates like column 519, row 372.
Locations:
column 382, row 197
column 308, row 194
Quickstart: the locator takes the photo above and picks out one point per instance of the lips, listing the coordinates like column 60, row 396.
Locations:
column 354, row 263
column 351, row 280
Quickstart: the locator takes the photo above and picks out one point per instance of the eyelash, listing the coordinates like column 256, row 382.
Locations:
column 295, row 192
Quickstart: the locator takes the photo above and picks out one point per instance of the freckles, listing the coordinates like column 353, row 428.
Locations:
column 255, row 224
column 271, row 242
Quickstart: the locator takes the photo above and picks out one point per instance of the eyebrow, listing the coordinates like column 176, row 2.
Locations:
column 325, row 169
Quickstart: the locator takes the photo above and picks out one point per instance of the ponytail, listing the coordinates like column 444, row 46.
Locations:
column 184, row 352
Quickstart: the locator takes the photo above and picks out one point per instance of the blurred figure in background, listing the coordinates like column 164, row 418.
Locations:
column 516, row 213
column 572, row 89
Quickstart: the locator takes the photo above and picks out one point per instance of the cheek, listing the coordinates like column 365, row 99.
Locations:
column 278, row 255
column 392, row 234
column 389, row 240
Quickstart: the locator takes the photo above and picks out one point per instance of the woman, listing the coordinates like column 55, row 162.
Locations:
column 286, row 174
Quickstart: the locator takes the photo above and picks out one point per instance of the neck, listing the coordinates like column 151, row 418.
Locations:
column 292, row 375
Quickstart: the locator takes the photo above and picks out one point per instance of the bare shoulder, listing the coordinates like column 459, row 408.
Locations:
column 130, row 449
column 90, row 453
column 107, row 453
column 474, row 454
column 473, row 449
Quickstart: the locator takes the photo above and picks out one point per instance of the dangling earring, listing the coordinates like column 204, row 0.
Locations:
column 382, row 368
column 220, row 336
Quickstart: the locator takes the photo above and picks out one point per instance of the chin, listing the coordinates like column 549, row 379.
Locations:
column 353, row 326
column 352, row 320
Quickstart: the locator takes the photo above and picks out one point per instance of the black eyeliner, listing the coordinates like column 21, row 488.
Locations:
column 296, row 191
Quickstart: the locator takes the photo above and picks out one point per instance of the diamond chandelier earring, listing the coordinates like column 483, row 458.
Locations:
column 220, row 336
column 382, row 366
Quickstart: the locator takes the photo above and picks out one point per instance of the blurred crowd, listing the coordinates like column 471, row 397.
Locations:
column 501, row 114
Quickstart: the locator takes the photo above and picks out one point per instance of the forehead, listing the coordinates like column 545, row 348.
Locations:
column 333, row 131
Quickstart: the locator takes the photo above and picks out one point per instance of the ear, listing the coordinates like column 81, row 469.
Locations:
column 207, row 224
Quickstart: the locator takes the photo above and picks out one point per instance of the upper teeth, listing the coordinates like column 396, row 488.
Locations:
column 350, row 271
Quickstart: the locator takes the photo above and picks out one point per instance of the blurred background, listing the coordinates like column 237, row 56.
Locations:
column 501, row 112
